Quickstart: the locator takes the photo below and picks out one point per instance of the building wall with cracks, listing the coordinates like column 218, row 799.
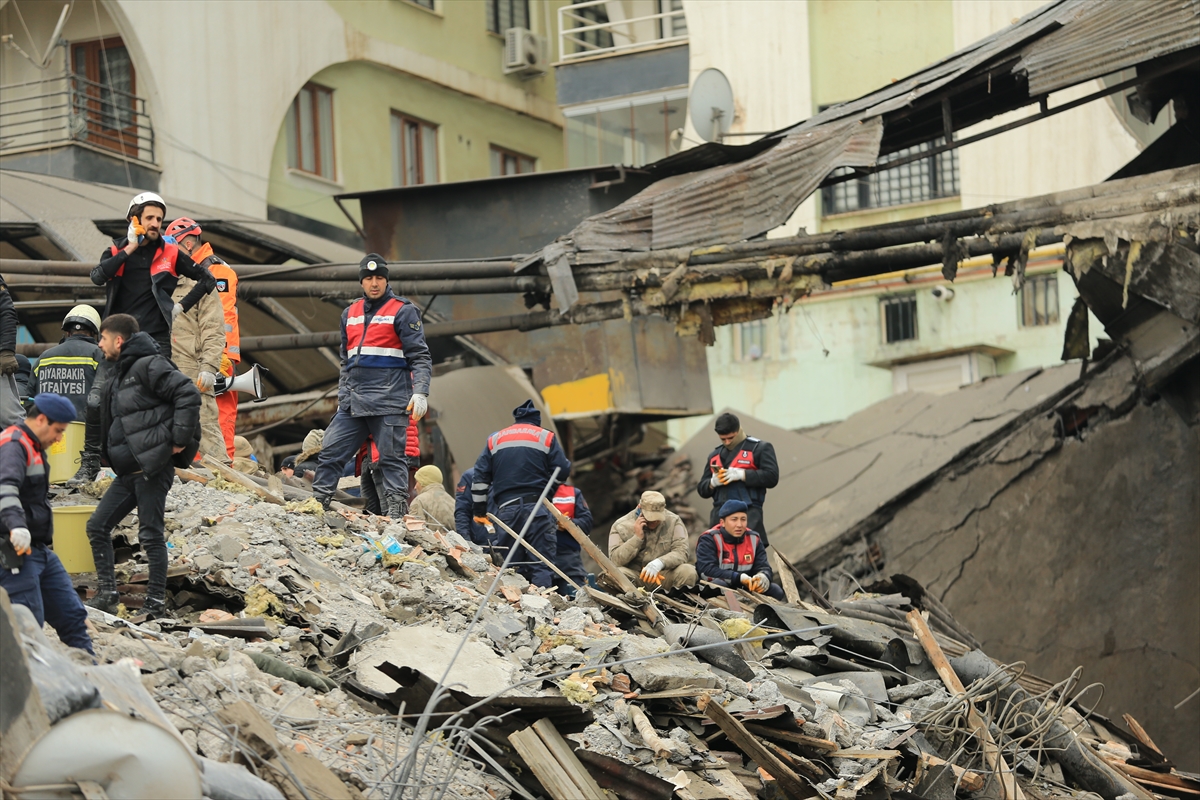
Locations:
column 1107, row 577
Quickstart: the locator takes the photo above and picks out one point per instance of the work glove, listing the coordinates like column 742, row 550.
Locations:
column 134, row 232
column 651, row 573
column 734, row 474
column 487, row 523
column 717, row 479
column 205, row 381
column 417, row 406
column 20, row 540
column 175, row 312
column 226, row 366
column 759, row 583
column 8, row 362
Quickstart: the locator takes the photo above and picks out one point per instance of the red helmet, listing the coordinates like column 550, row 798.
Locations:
column 184, row 226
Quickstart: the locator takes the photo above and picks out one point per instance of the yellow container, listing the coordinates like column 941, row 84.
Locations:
column 63, row 456
column 70, row 538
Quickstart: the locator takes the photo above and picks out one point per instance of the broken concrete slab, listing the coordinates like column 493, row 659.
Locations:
column 429, row 649
column 660, row 674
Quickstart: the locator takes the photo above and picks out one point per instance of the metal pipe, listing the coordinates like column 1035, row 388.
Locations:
column 263, row 273
column 511, row 285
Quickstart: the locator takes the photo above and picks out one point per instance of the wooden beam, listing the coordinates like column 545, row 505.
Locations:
column 784, row 575
column 233, row 476
column 554, row 777
column 791, row 783
column 558, row 747
column 533, row 550
column 971, row 781
column 991, row 751
column 1140, row 734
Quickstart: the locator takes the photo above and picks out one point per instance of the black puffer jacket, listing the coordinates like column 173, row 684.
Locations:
column 149, row 407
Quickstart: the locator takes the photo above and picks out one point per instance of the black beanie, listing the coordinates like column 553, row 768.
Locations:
column 372, row 264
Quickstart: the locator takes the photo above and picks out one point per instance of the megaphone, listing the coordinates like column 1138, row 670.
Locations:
column 249, row 382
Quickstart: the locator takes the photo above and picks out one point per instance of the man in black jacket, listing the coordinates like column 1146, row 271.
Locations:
column 10, row 398
column 740, row 468
column 150, row 421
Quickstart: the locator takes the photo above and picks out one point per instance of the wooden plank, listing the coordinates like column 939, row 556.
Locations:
column 824, row 745
column 1150, row 776
column 1140, row 734
column 791, row 783
column 544, row 765
column 971, row 781
column 864, row 753
column 233, row 476
column 558, row 747
column 590, row 547
column 991, row 752
column 496, row 520
column 613, row 602
column 784, row 576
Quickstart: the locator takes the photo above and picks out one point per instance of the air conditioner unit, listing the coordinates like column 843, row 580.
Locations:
column 524, row 52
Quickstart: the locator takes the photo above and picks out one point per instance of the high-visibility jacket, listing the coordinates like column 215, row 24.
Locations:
column 69, row 369
column 24, row 485
column 227, row 282
column 722, row 559
column 564, row 500
column 569, row 500
column 762, row 472
column 384, row 358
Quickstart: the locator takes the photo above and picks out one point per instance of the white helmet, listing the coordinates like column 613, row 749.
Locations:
column 143, row 198
column 82, row 314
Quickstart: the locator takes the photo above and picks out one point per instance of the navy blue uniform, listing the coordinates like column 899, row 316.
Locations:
column 464, row 522
column 513, row 469
column 569, row 500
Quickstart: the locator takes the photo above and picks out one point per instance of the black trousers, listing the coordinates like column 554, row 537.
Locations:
column 148, row 494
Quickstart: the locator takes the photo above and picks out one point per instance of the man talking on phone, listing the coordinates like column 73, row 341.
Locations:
column 140, row 272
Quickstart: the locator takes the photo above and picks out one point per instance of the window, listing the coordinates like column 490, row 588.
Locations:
column 104, row 89
column 310, row 131
column 505, row 14
column 752, row 338
column 506, row 162
column 1039, row 301
column 674, row 25
column 631, row 131
column 597, row 39
column 899, row 317
column 414, row 151
column 925, row 179
column 423, row 4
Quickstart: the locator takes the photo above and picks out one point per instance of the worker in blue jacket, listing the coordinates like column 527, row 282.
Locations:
column 513, row 469
column 464, row 523
column 569, row 500
column 383, row 387
column 730, row 554
column 39, row 582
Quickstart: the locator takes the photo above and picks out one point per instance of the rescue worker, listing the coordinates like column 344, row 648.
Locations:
column 740, row 468
column 464, row 521
column 69, row 368
column 514, row 468
column 150, row 413
column 366, row 467
column 140, row 273
column 731, row 554
column 10, row 399
column 569, row 500
column 187, row 234
column 432, row 502
column 40, row 583
column 650, row 546
column 383, row 388
column 198, row 342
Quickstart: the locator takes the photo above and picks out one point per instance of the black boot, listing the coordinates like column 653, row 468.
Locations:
column 89, row 468
column 154, row 608
column 397, row 506
column 106, row 600
column 324, row 501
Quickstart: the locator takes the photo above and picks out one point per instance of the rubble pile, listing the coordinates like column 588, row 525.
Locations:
column 299, row 640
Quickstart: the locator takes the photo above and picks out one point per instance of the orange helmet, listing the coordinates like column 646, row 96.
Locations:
column 184, row 226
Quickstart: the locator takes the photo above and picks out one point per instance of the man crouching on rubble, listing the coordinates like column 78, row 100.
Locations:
column 650, row 545
column 150, row 423
column 40, row 583
column 730, row 554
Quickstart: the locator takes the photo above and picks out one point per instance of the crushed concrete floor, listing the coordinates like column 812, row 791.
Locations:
column 306, row 649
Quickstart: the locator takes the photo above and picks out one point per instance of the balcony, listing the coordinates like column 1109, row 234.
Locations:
column 603, row 27
column 73, row 127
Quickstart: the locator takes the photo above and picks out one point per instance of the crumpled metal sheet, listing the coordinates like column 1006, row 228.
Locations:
column 1098, row 38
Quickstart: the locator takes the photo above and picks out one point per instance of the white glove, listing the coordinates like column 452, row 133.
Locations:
column 650, row 571
column 715, row 480
column 417, row 406
column 175, row 312
column 20, row 540
column 134, row 233
column 735, row 474
column 205, row 381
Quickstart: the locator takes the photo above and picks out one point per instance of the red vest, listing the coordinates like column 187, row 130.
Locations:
column 376, row 344
column 164, row 260
column 33, row 453
column 743, row 460
column 564, row 500
column 735, row 555
column 521, row 435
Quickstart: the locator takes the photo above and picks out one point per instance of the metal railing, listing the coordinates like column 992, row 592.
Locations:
column 584, row 29
column 71, row 109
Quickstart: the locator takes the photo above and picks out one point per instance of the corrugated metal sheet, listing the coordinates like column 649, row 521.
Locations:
column 1102, row 36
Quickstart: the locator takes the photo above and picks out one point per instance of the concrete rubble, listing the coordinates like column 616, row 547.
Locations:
column 299, row 640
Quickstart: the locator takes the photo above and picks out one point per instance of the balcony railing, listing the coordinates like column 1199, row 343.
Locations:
column 585, row 30
column 71, row 109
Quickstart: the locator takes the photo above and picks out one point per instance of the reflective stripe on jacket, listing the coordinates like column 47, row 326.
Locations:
column 24, row 485
column 564, row 501
column 227, row 282
column 375, row 343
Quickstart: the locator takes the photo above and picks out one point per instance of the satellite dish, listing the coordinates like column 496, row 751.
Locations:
column 710, row 105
